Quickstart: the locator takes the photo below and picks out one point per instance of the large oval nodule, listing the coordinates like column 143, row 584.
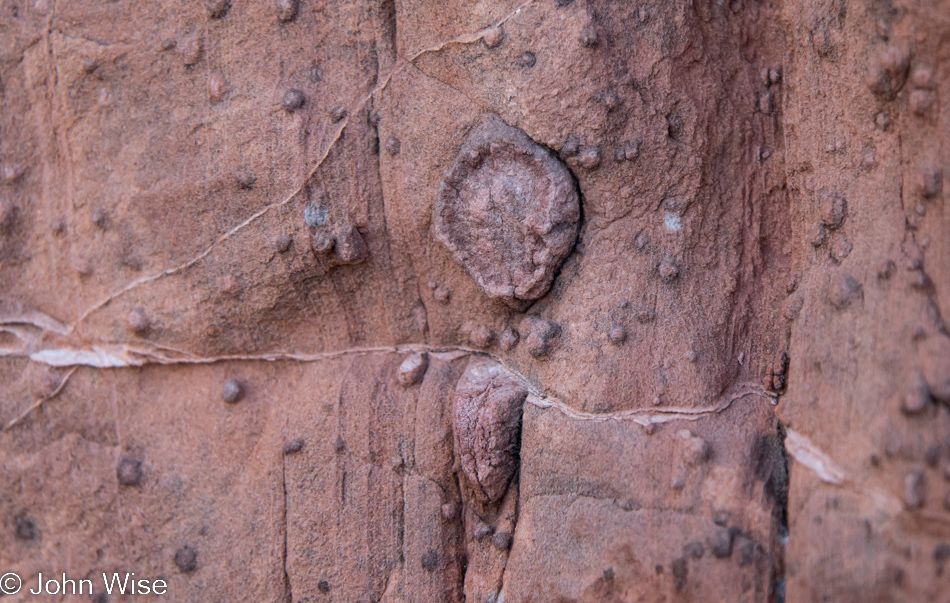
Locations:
column 508, row 211
column 487, row 423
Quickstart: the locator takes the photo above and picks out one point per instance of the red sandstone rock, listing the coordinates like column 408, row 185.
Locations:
column 712, row 289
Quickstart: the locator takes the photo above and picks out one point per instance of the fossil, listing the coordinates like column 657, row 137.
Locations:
column 508, row 212
column 487, row 424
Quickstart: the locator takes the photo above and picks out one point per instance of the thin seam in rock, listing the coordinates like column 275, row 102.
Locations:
column 536, row 397
column 809, row 456
column 39, row 402
column 399, row 66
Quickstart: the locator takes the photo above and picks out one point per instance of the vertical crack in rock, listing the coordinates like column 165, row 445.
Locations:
column 487, row 425
column 387, row 12
column 772, row 468
column 508, row 211
column 288, row 589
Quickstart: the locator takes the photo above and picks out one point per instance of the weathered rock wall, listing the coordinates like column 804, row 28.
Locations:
column 409, row 301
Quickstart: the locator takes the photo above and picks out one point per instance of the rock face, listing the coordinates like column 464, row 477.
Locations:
column 487, row 426
column 508, row 211
column 431, row 300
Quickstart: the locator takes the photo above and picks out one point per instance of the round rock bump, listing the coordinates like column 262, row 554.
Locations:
column 508, row 211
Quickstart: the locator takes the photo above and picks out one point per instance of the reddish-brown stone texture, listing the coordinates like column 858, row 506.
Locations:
column 234, row 345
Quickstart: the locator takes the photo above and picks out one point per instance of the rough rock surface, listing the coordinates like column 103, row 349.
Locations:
column 232, row 337
column 508, row 211
column 487, row 425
